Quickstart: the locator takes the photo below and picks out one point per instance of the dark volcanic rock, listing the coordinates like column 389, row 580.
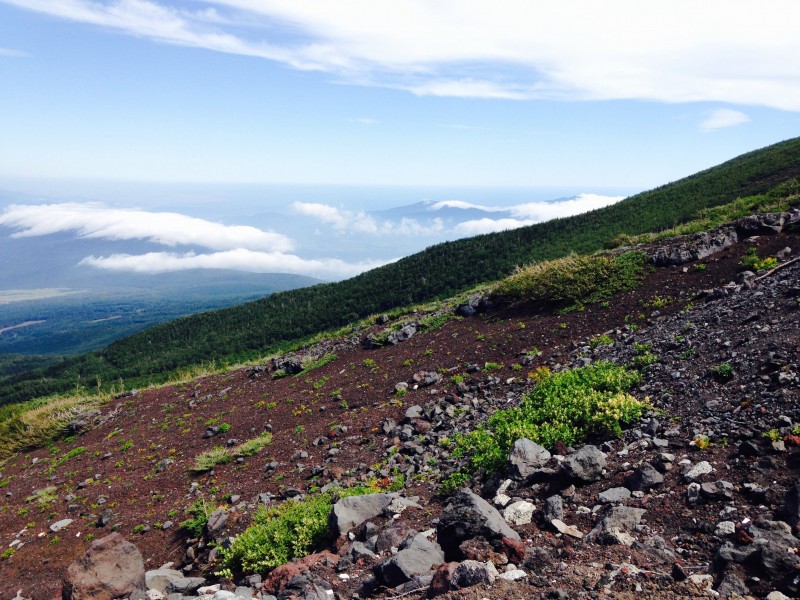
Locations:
column 468, row 516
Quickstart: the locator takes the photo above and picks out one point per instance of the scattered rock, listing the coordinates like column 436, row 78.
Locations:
column 467, row 516
column 110, row 568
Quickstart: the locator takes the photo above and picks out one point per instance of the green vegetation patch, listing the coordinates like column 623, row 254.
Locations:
column 573, row 281
column 37, row 423
column 316, row 364
column 219, row 455
column 280, row 533
column 568, row 406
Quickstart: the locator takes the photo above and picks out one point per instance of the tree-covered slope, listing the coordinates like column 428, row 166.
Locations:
column 265, row 325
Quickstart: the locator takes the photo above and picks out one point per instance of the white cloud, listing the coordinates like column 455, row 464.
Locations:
column 14, row 53
column 462, row 205
column 240, row 259
column 681, row 51
column 168, row 229
column 723, row 117
column 412, row 227
column 536, row 212
column 344, row 221
column 364, row 121
column 544, row 211
column 341, row 219
column 241, row 248
column 479, row 226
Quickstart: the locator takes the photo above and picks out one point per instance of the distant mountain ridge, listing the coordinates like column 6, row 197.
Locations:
column 272, row 323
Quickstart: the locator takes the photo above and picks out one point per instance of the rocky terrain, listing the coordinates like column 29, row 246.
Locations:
column 700, row 498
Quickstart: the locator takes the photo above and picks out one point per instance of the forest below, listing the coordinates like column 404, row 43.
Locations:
column 283, row 319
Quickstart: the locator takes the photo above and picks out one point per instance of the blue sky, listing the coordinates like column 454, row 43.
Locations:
column 375, row 92
column 579, row 94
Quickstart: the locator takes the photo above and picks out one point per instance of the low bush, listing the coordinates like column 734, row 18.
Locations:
column 323, row 360
column 568, row 406
column 280, row 533
column 573, row 281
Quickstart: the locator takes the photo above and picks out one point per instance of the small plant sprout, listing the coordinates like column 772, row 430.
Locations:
column 702, row 442
column 723, row 372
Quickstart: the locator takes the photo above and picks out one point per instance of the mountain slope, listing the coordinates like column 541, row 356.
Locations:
column 134, row 470
column 267, row 325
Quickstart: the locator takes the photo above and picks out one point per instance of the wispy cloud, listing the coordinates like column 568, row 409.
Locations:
column 723, row 117
column 347, row 221
column 237, row 247
column 536, row 212
column 463, row 205
column 240, row 259
column 12, row 53
column 340, row 219
column 364, row 120
column 513, row 49
column 543, row 211
column 486, row 225
column 165, row 228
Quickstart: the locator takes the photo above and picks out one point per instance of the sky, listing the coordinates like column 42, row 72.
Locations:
column 502, row 94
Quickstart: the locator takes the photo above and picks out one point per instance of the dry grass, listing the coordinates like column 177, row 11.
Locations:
column 38, row 422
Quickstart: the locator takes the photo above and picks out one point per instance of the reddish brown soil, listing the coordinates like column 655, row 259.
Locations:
column 122, row 456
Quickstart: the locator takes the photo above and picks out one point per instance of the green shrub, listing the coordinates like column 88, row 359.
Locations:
column 310, row 365
column 280, row 533
column 573, row 281
column 567, row 406
column 43, row 497
column 601, row 339
column 75, row 452
column 198, row 512
column 723, row 372
column 433, row 322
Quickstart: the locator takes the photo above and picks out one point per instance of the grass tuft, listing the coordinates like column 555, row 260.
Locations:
column 573, row 281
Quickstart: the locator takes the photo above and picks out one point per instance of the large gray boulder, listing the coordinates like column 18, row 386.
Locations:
column 770, row 555
column 348, row 513
column 526, row 457
column 615, row 525
column 469, row 516
column 415, row 558
column 585, row 465
column 110, row 568
column 402, row 334
column 159, row 579
column 644, row 478
column 694, row 247
column 763, row 224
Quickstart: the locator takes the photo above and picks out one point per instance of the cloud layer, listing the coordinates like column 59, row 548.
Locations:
column 168, row 229
column 251, row 249
column 235, row 247
column 497, row 218
column 343, row 221
column 681, row 51
column 240, row 259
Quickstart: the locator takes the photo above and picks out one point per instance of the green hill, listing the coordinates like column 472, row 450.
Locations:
column 269, row 324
